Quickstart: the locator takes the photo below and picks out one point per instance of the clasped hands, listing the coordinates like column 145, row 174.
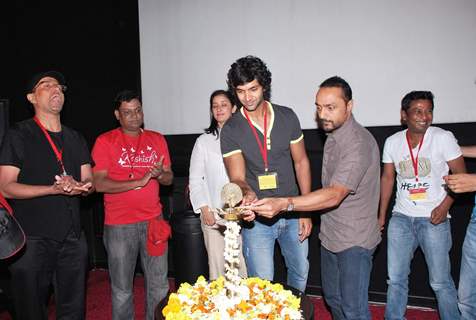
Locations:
column 66, row 185
column 158, row 168
column 154, row 172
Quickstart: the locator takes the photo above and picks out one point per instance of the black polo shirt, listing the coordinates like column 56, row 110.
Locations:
column 237, row 136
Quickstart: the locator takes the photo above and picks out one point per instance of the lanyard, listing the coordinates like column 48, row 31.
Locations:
column 131, row 162
column 262, row 146
column 58, row 153
column 414, row 159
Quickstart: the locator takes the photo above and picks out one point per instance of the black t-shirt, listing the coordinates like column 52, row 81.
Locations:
column 27, row 148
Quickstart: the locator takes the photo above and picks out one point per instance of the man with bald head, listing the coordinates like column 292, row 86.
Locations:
column 350, row 179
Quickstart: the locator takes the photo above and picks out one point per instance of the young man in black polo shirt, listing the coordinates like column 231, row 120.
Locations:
column 262, row 146
column 44, row 168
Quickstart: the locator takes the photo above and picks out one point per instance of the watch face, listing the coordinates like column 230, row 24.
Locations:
column 290, row 206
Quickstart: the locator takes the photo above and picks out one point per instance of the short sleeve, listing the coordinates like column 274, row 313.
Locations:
column 228, row 142
column 386, row 155
column 296, row 131
column 13, row 149
column 449, row 146
column 353, row 164
column 100, row 155
column 85, row 156
column 164, row 150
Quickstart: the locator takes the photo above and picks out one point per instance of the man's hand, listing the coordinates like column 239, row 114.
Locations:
column 381, row 222
column 207, row 216
column 461, row 182
column 158, row 168
column 269, row 207
column 249, row 197
column 438, row 215
column 305, row 227
column 249, row 215
column 68, row 186
column 144, row 180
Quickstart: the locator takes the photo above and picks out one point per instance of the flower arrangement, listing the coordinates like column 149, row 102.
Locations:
column 231, row 297
column 257, row 299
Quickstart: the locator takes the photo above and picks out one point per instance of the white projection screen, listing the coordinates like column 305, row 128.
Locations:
column 384, row 49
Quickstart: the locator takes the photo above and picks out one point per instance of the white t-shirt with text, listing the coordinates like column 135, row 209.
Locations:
column 418, row 198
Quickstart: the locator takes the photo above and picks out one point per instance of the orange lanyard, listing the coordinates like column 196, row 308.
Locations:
column 262, row 146
column 414, row 159
column 58, row 153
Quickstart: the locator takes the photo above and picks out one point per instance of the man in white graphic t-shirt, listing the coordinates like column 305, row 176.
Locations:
column 420, row 157
column 130, row 165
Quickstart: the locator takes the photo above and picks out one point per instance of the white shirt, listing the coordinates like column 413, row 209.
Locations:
column 439, row 146
column 207, row 174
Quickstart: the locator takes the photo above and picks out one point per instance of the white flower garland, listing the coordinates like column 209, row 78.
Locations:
column 232, row 260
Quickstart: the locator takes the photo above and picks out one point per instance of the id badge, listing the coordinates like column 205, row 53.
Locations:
column 418, row 194
column 268, row 181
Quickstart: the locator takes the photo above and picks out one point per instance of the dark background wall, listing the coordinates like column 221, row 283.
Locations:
column 96, row 45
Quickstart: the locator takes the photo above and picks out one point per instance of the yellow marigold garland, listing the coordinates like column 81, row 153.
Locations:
column 204, row 300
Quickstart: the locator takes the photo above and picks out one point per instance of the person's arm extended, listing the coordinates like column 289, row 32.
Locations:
column 438, row 214
column 469, row 151
column 386, row 187
column 303, row 175
column 107, row 185
column 325, row 198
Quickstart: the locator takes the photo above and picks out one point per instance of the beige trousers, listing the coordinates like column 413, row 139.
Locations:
column 215, row 244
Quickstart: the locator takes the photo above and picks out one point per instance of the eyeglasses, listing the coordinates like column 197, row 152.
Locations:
column 129, row 113
column 48, row 85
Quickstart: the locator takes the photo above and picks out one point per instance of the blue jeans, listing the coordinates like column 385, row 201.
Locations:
column 345, row 282
column 258, row 249
column 405, row 234
column 467, row 280
column 123, row 243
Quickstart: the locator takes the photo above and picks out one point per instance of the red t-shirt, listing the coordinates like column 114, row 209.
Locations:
column 125, row 157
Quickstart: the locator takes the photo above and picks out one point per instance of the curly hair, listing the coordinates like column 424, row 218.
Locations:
column 247, row 69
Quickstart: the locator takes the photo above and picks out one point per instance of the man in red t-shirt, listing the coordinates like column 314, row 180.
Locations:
column 130, row 163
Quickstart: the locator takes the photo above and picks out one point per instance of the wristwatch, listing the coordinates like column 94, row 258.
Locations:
column 290, row 206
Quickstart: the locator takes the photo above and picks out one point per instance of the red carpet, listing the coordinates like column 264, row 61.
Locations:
column 99, row 302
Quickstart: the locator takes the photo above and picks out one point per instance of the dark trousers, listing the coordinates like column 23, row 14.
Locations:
column 45, row 262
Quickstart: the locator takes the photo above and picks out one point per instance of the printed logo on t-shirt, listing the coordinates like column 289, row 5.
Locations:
column 407, row 171
column 416, row 188
column 143, row 158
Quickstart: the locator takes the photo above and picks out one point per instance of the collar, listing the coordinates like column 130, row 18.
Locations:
column 344, row 131
column 271, row 122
